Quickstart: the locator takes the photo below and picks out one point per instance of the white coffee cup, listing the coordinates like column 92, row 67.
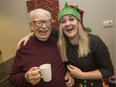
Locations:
column 46, row 72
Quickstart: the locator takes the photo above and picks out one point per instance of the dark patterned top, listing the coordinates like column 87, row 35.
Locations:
column 98, row 58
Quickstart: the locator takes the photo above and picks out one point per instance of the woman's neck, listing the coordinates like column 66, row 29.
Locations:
column 74, row 40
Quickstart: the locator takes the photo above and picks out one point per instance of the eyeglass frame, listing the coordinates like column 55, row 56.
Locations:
column 41, row 22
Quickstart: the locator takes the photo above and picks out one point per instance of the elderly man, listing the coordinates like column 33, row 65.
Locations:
column 41, row 48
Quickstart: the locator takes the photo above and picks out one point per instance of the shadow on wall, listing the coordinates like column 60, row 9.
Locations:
column 1, row 60
column 5, row 68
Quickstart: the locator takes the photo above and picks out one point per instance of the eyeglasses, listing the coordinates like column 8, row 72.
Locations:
column 40, row 23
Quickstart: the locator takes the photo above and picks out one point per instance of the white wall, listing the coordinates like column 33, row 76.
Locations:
column 14, row 23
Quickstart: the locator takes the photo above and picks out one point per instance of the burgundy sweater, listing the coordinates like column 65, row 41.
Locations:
column 36, row 53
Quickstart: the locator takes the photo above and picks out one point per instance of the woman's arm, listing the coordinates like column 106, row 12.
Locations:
column 54, row 33
column 77, row 73
column 24, row 40
column 102, row 58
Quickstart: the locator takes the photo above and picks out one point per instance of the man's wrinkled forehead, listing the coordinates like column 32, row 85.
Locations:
column 40, row 16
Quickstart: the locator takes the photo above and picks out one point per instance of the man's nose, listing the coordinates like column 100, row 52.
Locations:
column 43, row 24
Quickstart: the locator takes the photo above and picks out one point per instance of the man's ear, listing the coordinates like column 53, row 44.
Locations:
column 31, row 27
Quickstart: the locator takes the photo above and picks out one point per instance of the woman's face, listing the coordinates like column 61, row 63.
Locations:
column 69, row 25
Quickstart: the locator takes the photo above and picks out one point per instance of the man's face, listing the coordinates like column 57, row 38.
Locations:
column 41, row 26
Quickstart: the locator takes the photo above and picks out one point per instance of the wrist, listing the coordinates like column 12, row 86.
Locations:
column 83, row 75
column 26, row 77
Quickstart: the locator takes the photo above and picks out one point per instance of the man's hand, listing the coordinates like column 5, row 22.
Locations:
column 33, row 75
column 69, row 80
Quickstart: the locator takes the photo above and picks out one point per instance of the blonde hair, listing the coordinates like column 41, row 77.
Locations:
column 83, row 43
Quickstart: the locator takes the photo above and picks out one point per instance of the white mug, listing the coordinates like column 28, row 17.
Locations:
column 46, row 72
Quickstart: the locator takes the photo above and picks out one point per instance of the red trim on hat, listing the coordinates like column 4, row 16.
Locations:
column 81, row 14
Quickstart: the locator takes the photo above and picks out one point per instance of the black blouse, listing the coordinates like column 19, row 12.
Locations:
column 98, row 58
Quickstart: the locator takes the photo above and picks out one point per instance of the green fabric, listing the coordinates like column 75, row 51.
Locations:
column 67, row 10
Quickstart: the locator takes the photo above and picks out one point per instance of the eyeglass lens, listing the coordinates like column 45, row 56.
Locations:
column 40, row 23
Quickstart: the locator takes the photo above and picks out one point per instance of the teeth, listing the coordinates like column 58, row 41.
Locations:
column 69, row 28
column 43, row 31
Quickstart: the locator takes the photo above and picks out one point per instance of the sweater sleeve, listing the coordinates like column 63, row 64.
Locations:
column 102, row 58
column 55, row 33
column 16, row 76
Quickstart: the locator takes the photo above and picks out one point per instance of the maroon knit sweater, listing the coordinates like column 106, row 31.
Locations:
column 36, row 53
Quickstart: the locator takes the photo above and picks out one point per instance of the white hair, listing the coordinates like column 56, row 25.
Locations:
column 40, row 10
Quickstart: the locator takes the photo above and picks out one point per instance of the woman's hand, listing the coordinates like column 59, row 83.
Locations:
column 25, row 40
column 75, row 71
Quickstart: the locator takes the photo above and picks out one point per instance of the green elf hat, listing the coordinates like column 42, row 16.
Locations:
column 75, row 11
column 68, row 10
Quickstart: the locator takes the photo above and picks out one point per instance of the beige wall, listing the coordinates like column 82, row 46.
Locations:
column 14, row 23
column 115, row 37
